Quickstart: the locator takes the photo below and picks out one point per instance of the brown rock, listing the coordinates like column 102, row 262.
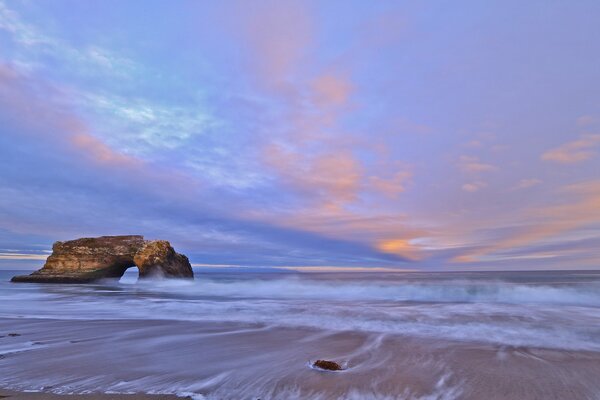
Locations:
column 327, row 365
column 158, row 258
column 89, row 259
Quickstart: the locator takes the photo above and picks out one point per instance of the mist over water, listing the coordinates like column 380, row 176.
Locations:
column 367, row 320
column 557, row 312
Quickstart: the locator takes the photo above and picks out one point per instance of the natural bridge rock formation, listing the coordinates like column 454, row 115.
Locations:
column 88, row 259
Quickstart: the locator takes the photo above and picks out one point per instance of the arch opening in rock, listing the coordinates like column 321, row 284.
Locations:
column 89, row 259
column 131, row 275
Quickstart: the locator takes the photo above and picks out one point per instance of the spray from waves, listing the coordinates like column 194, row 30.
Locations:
column 452, row 291
column 546, row 315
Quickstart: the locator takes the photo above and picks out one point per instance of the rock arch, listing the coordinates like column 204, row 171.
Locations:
column 89, row 259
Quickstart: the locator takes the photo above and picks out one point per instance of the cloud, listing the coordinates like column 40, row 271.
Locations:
column 24, row 33
column 78, row 185
column 33, row 42
column 402, row 247
column 140, row 124
column 576, row 151
column 548, row 222
column 99, row 152
column 22, row 256
column 475, row 143
column 278, row 34
column 527, row 183
column 147, row 126
column 305, row 148
column 311, row 268
column 586, row 120
column 331, row 179
column 331, row 90
column 20, row 94
column 473, row 187
column 278, row 133
column 393, row 186
column 472, row 164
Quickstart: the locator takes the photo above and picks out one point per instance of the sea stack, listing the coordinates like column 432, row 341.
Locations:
column 89, row 259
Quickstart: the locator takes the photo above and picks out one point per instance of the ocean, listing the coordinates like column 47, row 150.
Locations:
column 244, row 335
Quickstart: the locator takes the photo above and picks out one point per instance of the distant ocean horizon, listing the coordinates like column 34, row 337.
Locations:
column 10, row 266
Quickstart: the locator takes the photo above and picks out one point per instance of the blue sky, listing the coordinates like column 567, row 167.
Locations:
column 409, row 135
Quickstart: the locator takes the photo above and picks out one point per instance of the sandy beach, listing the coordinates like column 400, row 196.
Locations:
column 8, row 394
column 245, row 337
column 227, row 361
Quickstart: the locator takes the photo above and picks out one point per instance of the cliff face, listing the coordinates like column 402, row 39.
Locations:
column 158, row 258
column 89, row 259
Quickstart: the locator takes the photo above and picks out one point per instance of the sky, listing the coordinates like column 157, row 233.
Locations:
column 309, row 135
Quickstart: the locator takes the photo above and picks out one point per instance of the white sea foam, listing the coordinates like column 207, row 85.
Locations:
column 446, row 291
column 547, row 314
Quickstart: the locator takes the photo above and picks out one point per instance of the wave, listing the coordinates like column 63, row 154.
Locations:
column 453, row 291
column 555, row 316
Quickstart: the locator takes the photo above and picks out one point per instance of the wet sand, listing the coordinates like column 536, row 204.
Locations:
column 8, row 394
column 233, row 361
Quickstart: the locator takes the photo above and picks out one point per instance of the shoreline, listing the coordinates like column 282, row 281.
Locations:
column 22, row 395
column 492, row 337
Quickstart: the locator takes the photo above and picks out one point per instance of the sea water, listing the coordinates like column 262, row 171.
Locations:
column 242, row 335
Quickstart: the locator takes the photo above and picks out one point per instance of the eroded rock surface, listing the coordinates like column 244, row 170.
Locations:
column 89, row 259
column 158, row 258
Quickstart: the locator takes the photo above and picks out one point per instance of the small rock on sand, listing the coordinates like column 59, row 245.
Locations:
column 327, row 365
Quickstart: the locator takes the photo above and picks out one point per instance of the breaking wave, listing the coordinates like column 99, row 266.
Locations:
column 552, row 314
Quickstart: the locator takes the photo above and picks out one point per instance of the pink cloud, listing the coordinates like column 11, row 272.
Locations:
column 330, row 179
column 586, row 120
column 393, row 186
column 573, row 152
column 527, row 183
column 331, row 89
column 58, row 125
column 473, row 187
column 53, row 117
column 99, row 152
column 548, row 222
column 277, row 33
column 473, row 164
column 401, row 247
